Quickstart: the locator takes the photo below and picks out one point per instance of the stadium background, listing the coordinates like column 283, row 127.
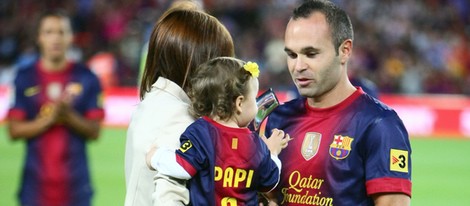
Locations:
column 416, row 52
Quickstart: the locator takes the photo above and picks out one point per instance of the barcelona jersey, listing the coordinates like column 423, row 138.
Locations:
column 343, row 154
column 228, row 165
column 56, row 169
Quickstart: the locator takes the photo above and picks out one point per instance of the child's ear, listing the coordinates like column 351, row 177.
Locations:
column 238, row 104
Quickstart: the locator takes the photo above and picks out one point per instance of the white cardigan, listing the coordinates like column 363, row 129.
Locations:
column 160, row 118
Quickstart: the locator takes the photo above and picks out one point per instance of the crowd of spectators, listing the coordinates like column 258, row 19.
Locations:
column 403, row 46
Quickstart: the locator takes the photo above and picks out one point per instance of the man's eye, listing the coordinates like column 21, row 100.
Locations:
column 291, row 55
column 311, row 55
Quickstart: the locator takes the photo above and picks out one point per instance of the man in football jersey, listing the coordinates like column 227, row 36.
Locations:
column 56, row 109
column 348, row 148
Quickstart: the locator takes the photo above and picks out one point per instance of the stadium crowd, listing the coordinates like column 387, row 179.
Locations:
column 406, row 46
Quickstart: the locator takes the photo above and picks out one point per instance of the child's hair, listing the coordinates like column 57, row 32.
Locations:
column 216, row 85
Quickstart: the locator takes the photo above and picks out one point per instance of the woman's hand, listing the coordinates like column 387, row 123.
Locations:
column 149, row 155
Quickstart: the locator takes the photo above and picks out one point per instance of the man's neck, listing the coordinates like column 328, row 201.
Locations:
column 53, row 65
column 342, row 91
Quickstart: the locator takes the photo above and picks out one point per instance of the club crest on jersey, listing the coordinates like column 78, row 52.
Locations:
column 310, row 145
column 340, row 147
column 74, row 89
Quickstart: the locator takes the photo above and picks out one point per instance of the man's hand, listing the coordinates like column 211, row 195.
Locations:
column 49, row 114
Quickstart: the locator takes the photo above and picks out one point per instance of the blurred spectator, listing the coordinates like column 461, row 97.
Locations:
column 400, row 36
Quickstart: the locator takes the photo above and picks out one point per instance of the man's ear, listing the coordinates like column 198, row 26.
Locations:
column 238, row 104
column 345, row 50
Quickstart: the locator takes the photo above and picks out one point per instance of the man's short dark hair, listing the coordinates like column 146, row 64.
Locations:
column 337, row 19
column 52, row 13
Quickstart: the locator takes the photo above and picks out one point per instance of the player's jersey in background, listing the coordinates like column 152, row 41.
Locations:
column 228, row 165
column 56, row 168
column 342, row 154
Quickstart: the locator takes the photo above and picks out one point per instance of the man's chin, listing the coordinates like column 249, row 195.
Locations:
column 57, row 58
column 305, row 92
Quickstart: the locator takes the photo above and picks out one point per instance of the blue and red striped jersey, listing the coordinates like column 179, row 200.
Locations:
column 343, row 154
column 55, row 171
column 228, row 165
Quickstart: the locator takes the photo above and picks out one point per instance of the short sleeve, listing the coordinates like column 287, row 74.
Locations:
column 94, row 99
column 192, row 155
column 18, row 102
column 268, row 170
column 388, row 157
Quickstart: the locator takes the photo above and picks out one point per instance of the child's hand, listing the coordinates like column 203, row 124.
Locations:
column 149, row 155
column 277, row 141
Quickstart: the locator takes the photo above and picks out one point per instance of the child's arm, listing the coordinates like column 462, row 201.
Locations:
column 164, row 161
column 276, row 142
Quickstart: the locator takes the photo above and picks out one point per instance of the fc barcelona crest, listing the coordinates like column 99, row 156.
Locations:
column 310, row 145
column 74, row 89
column 341, row 147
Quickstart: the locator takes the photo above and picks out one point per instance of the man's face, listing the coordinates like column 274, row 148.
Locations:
column 55, row 37
column 311, row 57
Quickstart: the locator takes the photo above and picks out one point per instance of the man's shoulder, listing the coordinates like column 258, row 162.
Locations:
column 26, row 75
column 27, row 69
column 81, row 68
column 374, row 108
column 286, row 112
column 290, row 107
column 83, row 73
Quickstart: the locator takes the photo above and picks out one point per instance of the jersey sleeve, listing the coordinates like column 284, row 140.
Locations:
column 164, row 161
column 269, row 170
column 18, row 105
column 192, row 155
column 94, row 108
column 388, row 157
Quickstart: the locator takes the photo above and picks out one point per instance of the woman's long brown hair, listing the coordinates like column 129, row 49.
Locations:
column 182, row 40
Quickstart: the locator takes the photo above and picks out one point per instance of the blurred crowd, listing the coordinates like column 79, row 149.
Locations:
column 403, row 46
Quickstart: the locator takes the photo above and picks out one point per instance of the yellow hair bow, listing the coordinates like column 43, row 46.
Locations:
column 253, row 68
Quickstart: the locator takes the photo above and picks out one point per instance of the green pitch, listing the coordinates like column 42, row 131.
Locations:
column 441, row 169
column 106, row 156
